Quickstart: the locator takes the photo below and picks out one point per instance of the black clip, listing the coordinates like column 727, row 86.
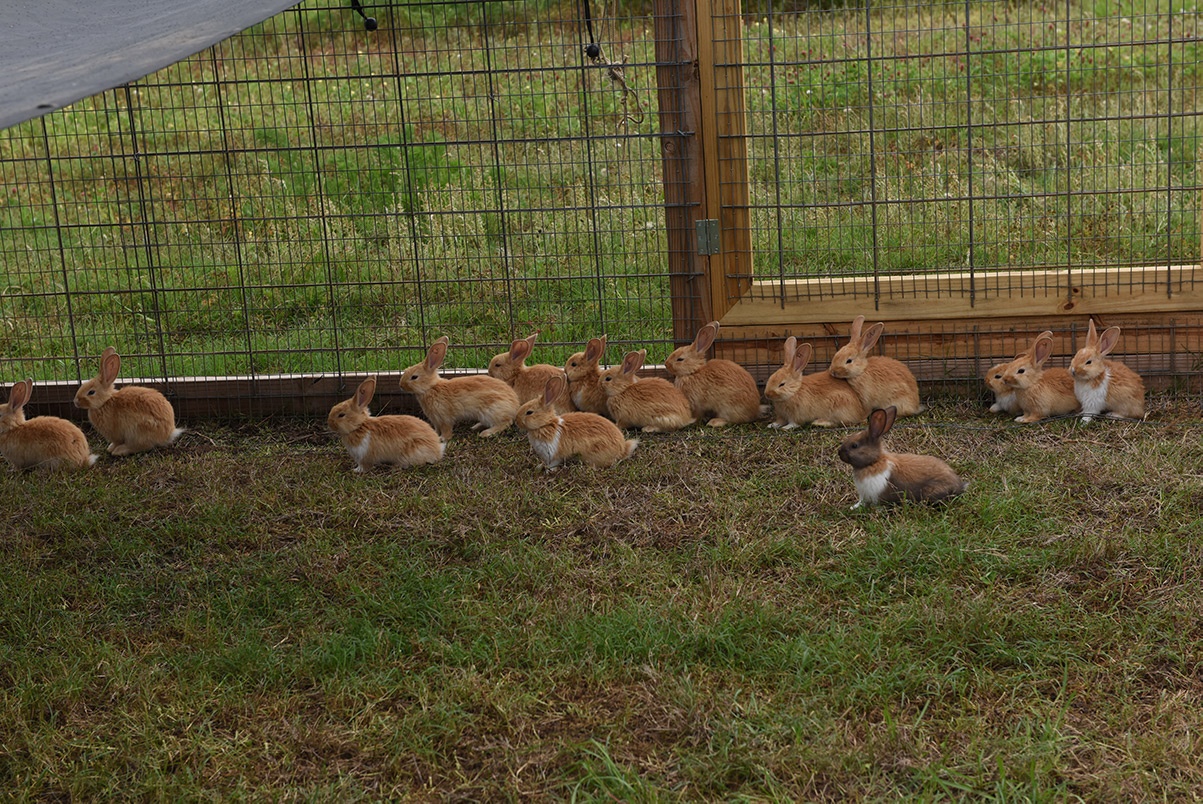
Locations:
column 369, row 23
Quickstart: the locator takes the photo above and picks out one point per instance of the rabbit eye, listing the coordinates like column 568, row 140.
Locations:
column 846, row 362
column 781, row 385
column 1020, row 371
column 1088, row 362
column 90, row 393
column 341, row 415
column 679, row 359
column 573, row 364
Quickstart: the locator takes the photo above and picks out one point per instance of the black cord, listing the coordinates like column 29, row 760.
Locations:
column 369, row 23
column 593, row 49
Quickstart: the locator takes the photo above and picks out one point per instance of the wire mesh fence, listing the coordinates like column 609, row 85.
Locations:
column 310, row 198
column 922, row 138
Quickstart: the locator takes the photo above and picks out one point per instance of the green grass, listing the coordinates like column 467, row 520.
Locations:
column 442, row 187
column 241, row 615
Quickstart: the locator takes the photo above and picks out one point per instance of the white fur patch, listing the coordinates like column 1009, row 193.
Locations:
column 871, row 487
column 578, row 395
column 1004, row 402
column 546, row 450
column 360, row 450
column 1093, row 398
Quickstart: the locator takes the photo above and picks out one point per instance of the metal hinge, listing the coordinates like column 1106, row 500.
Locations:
column 708, row 236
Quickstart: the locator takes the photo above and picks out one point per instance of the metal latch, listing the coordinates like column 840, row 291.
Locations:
column 708, row 236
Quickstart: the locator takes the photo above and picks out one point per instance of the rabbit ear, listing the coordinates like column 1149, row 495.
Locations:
column 595, row 348
column 854, row 331
column 521, row 348
column 1108, row 340
column 1092, row 335
column 788, row 351
column 20, row 394
column 437, row 353
column 1042, row 348
column 552, row 391
column 880, row 421
column 877, row 424
column 705, row 337
column 110, row 366
column 1031, row 352
column 633, row 361
column 801, row 357
column 869, row 339
column 365, row 392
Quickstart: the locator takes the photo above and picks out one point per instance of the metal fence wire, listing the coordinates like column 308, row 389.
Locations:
column 921, row 138
column 312, row 198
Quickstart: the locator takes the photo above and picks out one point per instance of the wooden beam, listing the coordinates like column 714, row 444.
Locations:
column 199, row 398
column 1166, row 345
column 725, row 149
column 1001, row 294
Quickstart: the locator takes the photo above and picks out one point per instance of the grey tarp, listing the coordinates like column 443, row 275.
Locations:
column 54, row 52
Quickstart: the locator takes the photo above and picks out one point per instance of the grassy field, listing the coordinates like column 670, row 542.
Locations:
column 459, row 173
column 241, row 615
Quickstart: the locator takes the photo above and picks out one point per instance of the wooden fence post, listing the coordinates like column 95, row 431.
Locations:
column 724, row 141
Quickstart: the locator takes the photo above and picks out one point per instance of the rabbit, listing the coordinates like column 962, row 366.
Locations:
column 584, row 378
column 718, row 386
column 527, row 381
column 46, row 442
column 887, row 477
column 399, row 440
column 487, row 401
column 133, row 419
column 555, row 437
column 878, row 381
column 1102, row 385
column 650, row 403
column 819, row 398
column 1004, row 395
column 1039, row 392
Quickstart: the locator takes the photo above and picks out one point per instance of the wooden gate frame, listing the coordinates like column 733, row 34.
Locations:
column 708, row 180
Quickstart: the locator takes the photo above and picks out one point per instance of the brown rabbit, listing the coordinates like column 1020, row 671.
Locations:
column 527, row 381
column 1102, row 385
column 888, row 477
column 44, row 442
column 557, row 437
column 1004, row 395
column 399, row 440
column 1039, row 392
column 584, row 378
column 487, row 401
column 133, row 419
column 879, row 381
column 650, row 403
column 819, row 398
column 721, row 387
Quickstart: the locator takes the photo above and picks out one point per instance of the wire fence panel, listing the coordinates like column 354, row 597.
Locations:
column 927, row 138
column 310, row 197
